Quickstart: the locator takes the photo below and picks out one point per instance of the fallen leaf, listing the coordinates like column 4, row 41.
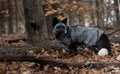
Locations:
column 118, row 57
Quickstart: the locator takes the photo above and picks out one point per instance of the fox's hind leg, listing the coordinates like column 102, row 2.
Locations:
column 104, row 46
column 92, row 48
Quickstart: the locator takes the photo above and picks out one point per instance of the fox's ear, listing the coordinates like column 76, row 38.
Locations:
column 64, row 21
column 55, row 21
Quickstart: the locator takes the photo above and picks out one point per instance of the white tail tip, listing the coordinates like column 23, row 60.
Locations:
column 103, row 52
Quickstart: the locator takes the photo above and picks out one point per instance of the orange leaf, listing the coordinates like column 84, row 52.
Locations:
column 49, row 13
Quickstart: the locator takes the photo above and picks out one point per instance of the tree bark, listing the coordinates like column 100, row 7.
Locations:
column 20, row 17
column 47, row 45
column 35, row 21
column 16, row 17
column 11, row 10
column 100, row 19
column 117, row 14
column 3, row 17
column 49, row 24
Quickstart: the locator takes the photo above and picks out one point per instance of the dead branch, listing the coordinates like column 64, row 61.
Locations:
column 52, row 62
column 15, row 40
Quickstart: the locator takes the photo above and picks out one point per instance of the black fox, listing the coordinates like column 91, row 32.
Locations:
column 72, row 36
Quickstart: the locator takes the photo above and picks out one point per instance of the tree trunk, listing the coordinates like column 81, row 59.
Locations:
column 16, row 16
column 3, row 17
column 49, row 25
column 119, row 10
column 11, row 10
column 117, row 14
column 20, row 17
column 74, row 19
column 35, row 21
column 93, row 14
column 99, row 14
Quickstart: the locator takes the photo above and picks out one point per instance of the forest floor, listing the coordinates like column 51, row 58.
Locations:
column 85, row 57
column 104, row 65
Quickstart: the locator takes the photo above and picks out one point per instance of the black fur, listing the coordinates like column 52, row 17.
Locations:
column 63, row 33
column 104, row 42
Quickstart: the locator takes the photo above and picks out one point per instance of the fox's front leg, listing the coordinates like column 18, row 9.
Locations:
column 72, row 49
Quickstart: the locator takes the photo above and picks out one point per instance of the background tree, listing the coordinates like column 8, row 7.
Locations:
column 35, row 20
column 16, row 16
column 117, row 10
column 3, row 17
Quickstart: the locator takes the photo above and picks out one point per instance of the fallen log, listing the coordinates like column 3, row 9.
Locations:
column 52, row 62
column 47, row 45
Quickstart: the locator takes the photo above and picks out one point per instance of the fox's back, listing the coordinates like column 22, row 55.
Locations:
column 84, row 34
column 78, row 33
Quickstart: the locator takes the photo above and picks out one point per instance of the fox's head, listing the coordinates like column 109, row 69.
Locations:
column 59, row 27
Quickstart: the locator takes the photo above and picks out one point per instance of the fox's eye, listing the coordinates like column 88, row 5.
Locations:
column 62, row 27
column 58, row 27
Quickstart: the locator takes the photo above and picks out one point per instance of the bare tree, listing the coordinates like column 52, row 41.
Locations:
column 3, row 17
column 20, row 17
column 16, row 17
column 117, row 13
column 35, row 21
